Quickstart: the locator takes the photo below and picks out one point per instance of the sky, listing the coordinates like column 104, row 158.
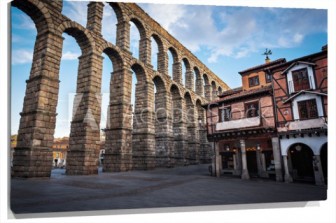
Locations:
column 226, row 39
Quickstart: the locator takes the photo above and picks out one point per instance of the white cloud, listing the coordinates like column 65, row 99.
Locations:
column 236, row 31
column 22, row 56
column 70, row 56
column 76, row 11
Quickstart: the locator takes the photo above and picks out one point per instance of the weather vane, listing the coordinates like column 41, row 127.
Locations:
column 266, row 53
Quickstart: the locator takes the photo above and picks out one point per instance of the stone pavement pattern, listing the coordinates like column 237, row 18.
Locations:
column 175, row 187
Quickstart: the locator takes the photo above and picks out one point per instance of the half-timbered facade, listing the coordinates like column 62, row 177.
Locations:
column 300, row 94
column 241, row 126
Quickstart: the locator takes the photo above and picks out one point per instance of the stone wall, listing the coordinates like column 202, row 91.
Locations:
column 157, row 134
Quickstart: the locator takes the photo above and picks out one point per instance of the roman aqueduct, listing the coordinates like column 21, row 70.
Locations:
column 167, row 129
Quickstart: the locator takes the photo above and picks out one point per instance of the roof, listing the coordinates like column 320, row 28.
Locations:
column 261, row 66
column 231, row 91
column 301, row 59
column 304, row 92
column 296, row 63
column 242, row 94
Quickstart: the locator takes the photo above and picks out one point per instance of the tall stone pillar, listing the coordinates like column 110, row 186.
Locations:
column 177, row 72
column 145, row 51
column 245, row 174
column 123, row 35
column 143, row 136
column 118, row 134
column 163, row 129
column 33, row 156
column 94, row 17
column 199, row 86
column 163, row 61
column 318, row 173
column 288, row 177
column 84, row 141
column 189, row 80
column 207, row 91
column 238, row 163
column 261, row 167
column 218, row 161
column 277, row 158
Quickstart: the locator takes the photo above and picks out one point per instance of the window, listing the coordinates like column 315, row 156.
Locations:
column 307, row 109
column 301, row 79
column 268, row 77
column 225, row 114
column 252, row 109
column 253, row 81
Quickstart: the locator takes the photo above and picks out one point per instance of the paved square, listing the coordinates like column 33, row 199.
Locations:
column 175, row 187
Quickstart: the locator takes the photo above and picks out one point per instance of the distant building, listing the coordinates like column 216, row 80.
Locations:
column 300, row 92
column 59, row 149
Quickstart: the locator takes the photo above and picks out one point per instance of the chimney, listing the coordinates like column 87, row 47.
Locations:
column 267, row 60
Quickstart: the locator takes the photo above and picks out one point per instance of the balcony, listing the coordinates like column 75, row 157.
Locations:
column 238, row 124
column 304, row 124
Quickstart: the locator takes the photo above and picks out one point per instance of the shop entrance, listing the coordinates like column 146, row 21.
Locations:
column 252, row 166
column 302, row 163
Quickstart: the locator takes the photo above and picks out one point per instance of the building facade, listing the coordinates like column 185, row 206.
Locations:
column 59, row 151
column 300, row 94
column 241, row 126
column 275, row 125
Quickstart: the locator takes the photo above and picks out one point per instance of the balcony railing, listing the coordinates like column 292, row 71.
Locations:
column 295, row 125
column 238, row 124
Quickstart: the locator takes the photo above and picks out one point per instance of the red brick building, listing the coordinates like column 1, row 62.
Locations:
column 300, row 93
column 241, row 125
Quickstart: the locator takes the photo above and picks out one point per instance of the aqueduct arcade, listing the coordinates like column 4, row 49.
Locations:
column 164, row 128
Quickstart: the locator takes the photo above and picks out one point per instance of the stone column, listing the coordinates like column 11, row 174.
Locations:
column 238, row 161
column 245, row 174
column 118, row 133
column 288, row 177
column 94, row 17
column 261, row 167
column 32, row 155
column 199, row 86
column 84, row 141
column 218, row 161
column 177, row 72
column 189, row 80
column 277, row 159
column 318, row 173
column 163, row 61
column 143, row 136
column 123, row 35
column 207, row 91
column 145, row 51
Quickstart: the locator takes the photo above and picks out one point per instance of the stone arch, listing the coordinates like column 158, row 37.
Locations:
column 220, row 90
column 118, row 11
column 162, row 57
column 175, row 66
column 115, row 57
column 189, row 75
column 139, row 24
column 213, row 90
column 207, row 87
column 36, row 10
column 301, row 162
column 198, row 82
column 81, row 35
column 140, row 72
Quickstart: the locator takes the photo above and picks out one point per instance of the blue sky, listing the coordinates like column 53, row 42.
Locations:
column 226, row 39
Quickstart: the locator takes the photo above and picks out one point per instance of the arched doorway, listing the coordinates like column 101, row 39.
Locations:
column 324, row 161
column 301, row 157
